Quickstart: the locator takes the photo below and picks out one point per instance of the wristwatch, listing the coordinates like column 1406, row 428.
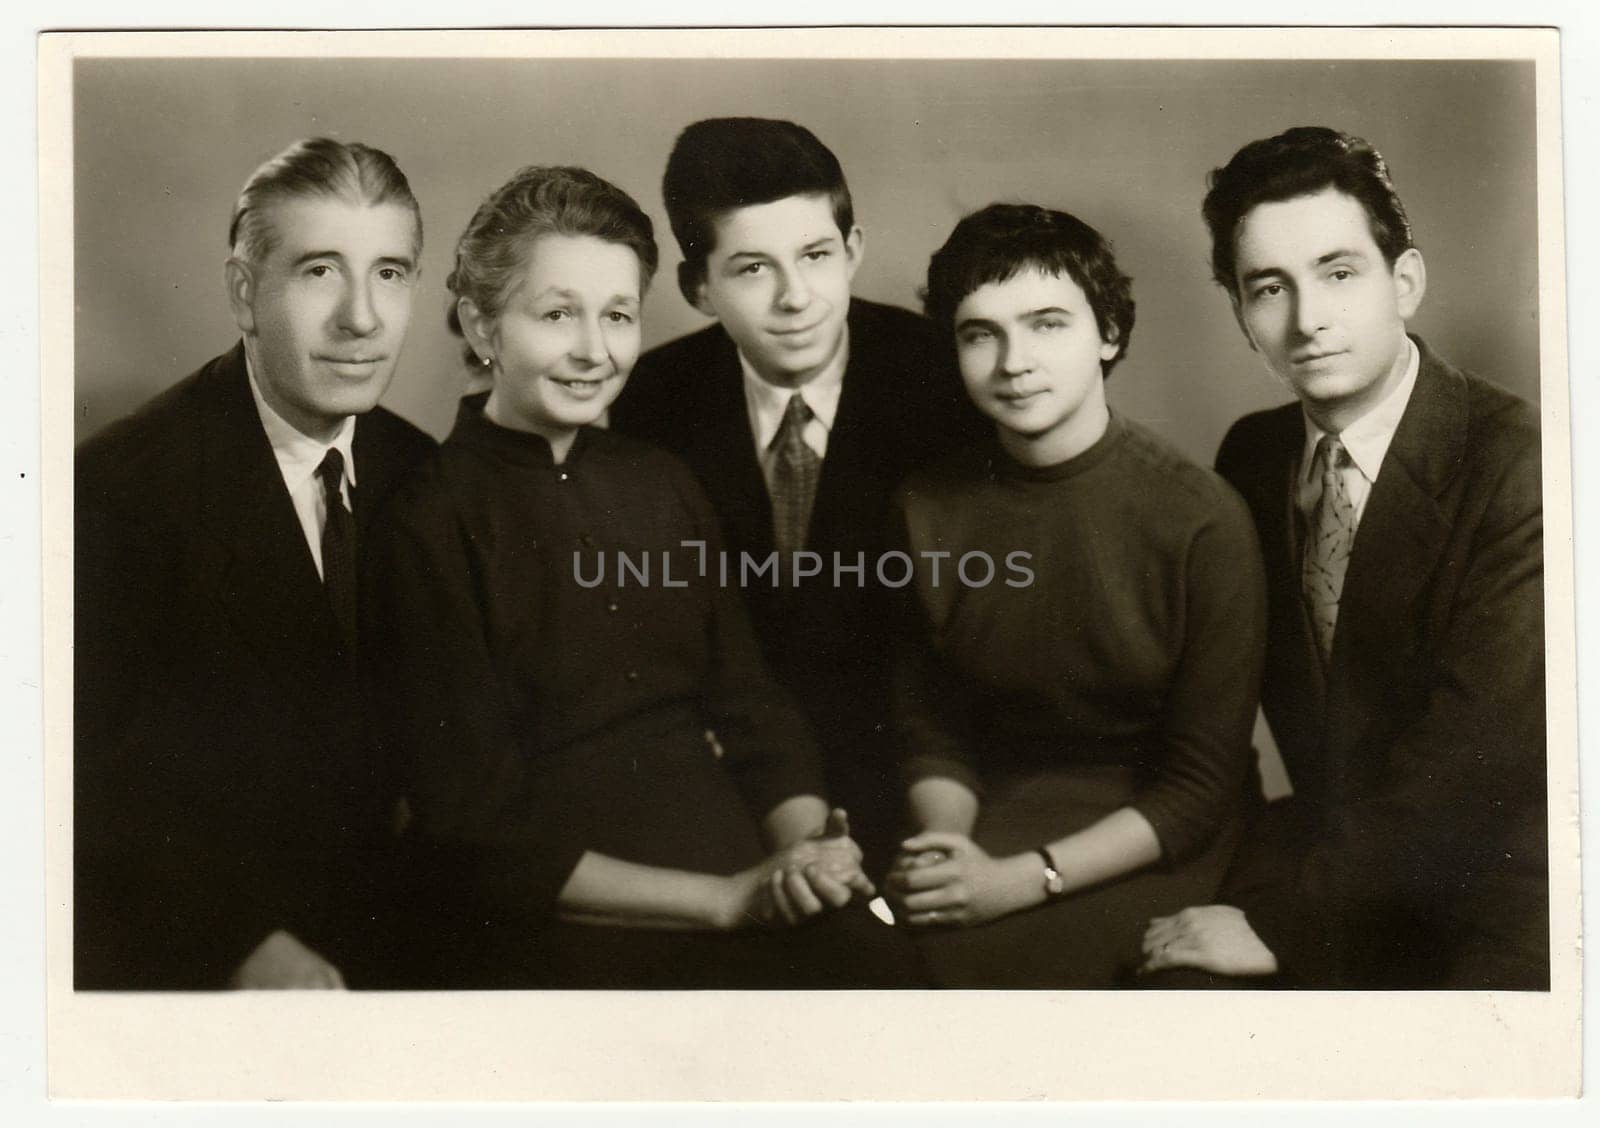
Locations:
column 1053, row 885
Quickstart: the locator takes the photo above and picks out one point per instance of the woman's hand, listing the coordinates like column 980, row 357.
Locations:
column 942, row 879
column 806, row 879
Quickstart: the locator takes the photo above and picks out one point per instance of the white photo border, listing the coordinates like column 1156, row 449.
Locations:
column 843, row 1046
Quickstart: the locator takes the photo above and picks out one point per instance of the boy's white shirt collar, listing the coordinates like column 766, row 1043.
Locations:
column 766, row 402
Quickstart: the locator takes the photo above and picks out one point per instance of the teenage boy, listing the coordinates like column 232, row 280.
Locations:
column 799, row 411
column 1398, row 507
column 229, row 816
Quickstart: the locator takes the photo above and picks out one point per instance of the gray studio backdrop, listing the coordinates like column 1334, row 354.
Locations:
column 162, row 146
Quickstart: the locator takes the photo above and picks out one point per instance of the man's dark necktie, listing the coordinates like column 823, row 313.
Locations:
column 794, row 479
column 1331, row 537
column 338, row 548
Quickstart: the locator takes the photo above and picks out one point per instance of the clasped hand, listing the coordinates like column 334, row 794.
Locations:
column 808, row 878
column 941, row 879
column 1214, row 938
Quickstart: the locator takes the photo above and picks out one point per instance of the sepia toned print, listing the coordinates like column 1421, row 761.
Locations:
column 1393, row 801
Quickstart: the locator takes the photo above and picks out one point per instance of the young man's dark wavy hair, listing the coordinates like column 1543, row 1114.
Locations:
column 1301, row 161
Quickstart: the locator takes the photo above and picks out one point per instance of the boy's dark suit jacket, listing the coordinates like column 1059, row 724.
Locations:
column 223, row 782
column 1413, row 851
column 901, row 404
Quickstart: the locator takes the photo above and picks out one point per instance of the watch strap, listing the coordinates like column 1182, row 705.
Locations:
column 1052, row 874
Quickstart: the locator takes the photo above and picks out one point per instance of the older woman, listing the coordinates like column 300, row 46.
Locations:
column 1077, row 729
column 606, row 787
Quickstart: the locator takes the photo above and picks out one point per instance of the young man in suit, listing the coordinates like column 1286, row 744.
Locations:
column 1398, row 505
column 229, row 818
column 800, row 410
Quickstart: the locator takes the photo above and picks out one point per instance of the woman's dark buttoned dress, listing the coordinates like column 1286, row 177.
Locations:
column 555, row 675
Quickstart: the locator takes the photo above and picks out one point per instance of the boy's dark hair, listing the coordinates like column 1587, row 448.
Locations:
column 720, row 164
column 1301, row 162
column 1002, row 240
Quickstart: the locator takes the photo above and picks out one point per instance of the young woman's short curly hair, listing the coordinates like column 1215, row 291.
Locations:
column 999, row 242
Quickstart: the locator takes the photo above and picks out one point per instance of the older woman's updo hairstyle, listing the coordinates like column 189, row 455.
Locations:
column 493, row 251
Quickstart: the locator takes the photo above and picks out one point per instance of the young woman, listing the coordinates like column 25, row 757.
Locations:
column 1078, row 728
column 605, row 787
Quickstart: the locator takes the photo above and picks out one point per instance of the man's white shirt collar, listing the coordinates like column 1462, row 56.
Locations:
column 766, row 402
column 1368, row 438
column 298, row 454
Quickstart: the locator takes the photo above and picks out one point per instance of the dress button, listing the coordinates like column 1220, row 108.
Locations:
column 633, row 675
column 564, row 475
column 586, row 540
column 611, row 605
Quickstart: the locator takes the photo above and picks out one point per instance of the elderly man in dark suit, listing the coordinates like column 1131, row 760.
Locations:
column 1398, row 504
column 230, row 822
column 799, row 411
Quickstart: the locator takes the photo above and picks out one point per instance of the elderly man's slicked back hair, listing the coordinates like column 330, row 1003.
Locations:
column 720, row 164
column 1301, row 161
column 1002, row 240
column 316, row 167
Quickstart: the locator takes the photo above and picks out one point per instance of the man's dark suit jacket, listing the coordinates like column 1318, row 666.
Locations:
column 901, row 404
column 1412, row 854
column 224, row 787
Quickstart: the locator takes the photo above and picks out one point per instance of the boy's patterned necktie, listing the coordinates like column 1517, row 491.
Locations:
column 794, row 479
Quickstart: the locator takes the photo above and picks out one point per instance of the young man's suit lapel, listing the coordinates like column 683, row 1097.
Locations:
column 1396, row 554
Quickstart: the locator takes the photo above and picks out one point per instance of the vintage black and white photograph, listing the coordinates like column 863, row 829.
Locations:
column 691, row 539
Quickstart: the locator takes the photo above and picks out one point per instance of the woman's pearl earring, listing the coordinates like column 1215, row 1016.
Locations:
column 486, row 361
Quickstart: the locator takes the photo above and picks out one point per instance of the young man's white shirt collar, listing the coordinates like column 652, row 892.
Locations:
column 765, row 403
column 298, row 457
column 1367, row 440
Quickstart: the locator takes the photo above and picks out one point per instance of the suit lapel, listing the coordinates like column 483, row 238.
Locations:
column 377, row 472
column 1305, row 654
column 1397, row 548
column 1275, row 508
column 725, row 453
column 850, row 463
column 1295, row 685
column 258, row 565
